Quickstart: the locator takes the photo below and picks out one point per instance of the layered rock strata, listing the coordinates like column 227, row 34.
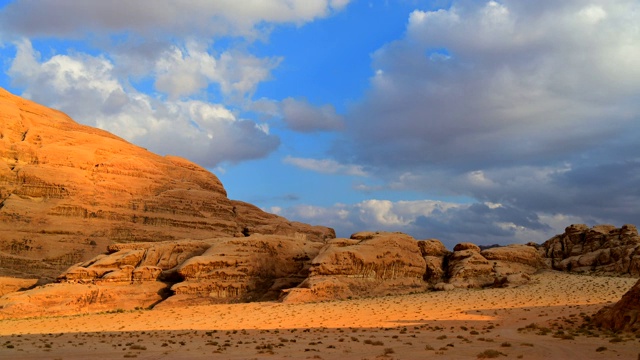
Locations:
column 67, row 191
column 172, row 273
column 368, row 264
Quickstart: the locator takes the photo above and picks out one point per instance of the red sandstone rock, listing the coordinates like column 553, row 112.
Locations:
column 368, row 264
column 67, row 191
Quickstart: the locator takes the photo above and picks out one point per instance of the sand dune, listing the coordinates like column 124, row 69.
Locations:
column 540, row 320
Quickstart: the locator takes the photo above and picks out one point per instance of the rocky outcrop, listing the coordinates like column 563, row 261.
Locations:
column 368, row 264
column 623, row 315
column 172, row 273
column 72, row 299
column 9, row 285
column 247, row 269
column 435, row 254
column 602, row 249
column 468, row 267
column 67, row 191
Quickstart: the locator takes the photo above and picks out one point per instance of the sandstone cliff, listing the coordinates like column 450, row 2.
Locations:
column 67, row 191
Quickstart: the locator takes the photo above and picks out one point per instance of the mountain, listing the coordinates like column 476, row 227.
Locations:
column 67, row 191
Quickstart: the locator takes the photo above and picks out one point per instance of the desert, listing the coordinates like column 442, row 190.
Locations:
column 548, row 318
column 110, row 250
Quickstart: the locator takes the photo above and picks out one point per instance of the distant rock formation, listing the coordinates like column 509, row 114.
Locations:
column 468, row 267
column 623, row 315
column 67, row 191
column 602, row 249
column 265, row 267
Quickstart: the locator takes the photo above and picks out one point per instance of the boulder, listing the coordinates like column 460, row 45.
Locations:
column 368, row 264
column 467, row 246
column 494, row 267
column 623, row 315
column 432, row 247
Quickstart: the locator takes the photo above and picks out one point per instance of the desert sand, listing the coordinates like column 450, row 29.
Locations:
column 541, row 320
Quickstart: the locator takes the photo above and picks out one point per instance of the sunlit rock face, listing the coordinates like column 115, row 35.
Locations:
column 367, row 264
column 67, row 191
column 172, row 273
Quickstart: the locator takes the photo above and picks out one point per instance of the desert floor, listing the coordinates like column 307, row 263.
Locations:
column 538, row 321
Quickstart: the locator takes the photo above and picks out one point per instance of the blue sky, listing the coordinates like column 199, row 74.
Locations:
column 484, row 121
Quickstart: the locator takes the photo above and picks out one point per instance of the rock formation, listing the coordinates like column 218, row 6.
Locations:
column 368, row 264
column 67, row 191
column 468, row 267
column 172, row 273
column 602, row 249
column 623, row 315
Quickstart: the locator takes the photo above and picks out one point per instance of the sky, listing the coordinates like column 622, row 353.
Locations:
column 483, row 121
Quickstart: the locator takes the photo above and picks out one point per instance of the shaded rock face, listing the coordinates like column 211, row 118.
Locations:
column 469, row 267
column 67, row 191
column 623, row 315
column 601, row 249
column 172, row 273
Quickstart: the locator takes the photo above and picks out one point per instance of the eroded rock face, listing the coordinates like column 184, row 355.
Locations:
column 244, row 269
column 172, row 273
column 601, row 249
column 468, row 267
column 623, row 315
column 367, row 264
column 67, row 191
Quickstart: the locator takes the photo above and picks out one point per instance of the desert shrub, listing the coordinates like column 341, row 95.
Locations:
column 489, row 354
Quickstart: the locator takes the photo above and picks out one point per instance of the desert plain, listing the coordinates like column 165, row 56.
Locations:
column 544, row 319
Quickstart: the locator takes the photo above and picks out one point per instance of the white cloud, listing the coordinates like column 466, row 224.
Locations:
column 86, row 88
column 185, row 72
column 147, row 17
column 300, row 115
column 522, row 104
column 325, row 166
column 520, row 85
column 450, row 222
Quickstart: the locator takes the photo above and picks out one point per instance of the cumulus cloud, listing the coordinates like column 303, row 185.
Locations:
column 452, row 223
column 515, row 86
column 86, row 88
column 533, row 106
column 325, row 166
column 144, row 17
column 300, row 115
column 184, row 72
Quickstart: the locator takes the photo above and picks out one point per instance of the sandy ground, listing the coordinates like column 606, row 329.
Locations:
column 538, row 321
